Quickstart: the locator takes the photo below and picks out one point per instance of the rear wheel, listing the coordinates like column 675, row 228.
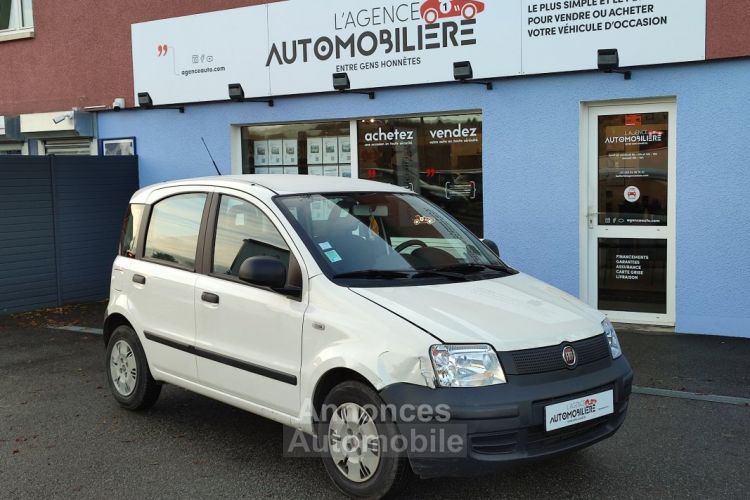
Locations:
column 128, row 375
column 353, row 431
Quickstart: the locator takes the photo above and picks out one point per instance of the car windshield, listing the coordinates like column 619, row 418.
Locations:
column 388, row 236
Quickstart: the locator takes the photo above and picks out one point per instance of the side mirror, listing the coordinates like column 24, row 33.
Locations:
column 492, row 246
column 263, row 271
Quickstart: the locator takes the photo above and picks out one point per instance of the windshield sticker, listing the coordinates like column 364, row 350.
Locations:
column 333, row 256
column 325, row 246
column 421, row 219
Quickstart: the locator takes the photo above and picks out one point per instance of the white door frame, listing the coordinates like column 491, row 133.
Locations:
column 588, row 204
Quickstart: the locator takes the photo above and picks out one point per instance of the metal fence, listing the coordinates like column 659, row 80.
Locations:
column 60, row 219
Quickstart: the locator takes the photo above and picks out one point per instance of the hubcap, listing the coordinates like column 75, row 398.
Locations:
column 353, row 442
column 122, row 368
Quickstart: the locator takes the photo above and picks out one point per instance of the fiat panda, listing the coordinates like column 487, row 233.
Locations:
column 384, row 335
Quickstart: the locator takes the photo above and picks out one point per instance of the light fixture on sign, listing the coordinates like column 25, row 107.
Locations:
column 237, row 94
column 608, row 61
column 464, row 73
column 342, row 84
column 145, row 102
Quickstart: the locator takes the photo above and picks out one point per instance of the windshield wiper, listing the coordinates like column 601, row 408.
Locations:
column 471, row 268
column 376, row 274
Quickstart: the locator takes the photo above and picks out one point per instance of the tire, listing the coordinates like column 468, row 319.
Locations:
column 431, row 16
column 392, row 472
column 128, row 375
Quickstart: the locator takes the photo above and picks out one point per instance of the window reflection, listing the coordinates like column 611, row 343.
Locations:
column 173, row 230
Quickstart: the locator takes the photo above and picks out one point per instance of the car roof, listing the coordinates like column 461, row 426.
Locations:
column 275, row 184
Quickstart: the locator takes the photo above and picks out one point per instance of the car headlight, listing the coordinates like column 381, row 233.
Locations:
column 466, row 365
column 614, row 343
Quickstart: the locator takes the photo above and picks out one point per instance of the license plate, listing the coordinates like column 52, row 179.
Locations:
column 578, row 410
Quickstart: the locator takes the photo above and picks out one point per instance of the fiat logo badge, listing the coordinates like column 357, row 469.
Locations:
column 569, row 356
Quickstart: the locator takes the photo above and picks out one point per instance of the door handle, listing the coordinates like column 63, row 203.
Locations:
column 137, row 278
column 211, row 298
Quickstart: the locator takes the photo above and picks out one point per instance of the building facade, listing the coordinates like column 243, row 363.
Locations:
column 622, row 192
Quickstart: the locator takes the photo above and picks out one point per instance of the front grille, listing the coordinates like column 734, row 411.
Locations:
column 537, row 439
column 547, row 359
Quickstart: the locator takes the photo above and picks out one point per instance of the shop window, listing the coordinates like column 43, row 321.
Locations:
column 439, row 157
column 298, row 148
column 15, row 15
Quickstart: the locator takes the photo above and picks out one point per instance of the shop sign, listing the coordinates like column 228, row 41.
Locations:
column 294, row 46
column 2, row 125
column 633, row 169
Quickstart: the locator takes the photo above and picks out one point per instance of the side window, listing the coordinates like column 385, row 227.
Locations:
column 173, row 230
column 130, row 227
column 244, row 231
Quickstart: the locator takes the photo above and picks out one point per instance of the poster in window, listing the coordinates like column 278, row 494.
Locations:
column 118, row 147
column 291, row 170
column 330, row 150
column 260, row 150
column 276, row 170
column 331, row 170
column 290, row 151
column 275, row 155
column 633, row 169
column 633, row 275
column 315, row 151
column 345, row 149
column 345, row 171
column 261, row 170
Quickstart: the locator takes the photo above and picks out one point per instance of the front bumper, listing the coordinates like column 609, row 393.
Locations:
column 504, row 424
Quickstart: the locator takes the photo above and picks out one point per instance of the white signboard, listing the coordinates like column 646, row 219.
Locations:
column 194, row 58
column 565, row 35
column 2, row 125
column 295, row 46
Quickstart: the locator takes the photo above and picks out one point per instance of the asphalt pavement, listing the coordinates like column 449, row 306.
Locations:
column 62, row 434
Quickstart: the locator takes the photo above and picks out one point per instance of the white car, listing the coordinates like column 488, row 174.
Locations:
column 387, row 337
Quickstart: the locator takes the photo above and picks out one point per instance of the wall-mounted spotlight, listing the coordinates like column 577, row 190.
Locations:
column 145, row 101
column 463, row 72
column 342, row 84
column 237, row 94
column 608, row 61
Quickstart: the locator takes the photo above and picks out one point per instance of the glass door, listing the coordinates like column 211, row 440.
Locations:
column 629, row 211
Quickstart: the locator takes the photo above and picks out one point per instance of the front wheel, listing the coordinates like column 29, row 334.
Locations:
column 128, row 375
column 353, row 430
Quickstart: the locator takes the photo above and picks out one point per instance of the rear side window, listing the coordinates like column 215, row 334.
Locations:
column 130, row 227
column 173, row 229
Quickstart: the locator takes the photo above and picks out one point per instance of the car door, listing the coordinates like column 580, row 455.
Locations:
column 162, row 281
column 249, row 338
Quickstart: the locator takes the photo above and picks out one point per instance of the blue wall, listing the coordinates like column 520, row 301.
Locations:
column 531, row 166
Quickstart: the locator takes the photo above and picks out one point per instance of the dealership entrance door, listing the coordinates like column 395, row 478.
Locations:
column 628, row 155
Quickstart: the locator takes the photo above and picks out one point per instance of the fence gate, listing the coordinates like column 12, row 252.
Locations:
column 60, row 219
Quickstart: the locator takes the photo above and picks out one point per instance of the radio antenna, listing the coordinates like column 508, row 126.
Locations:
column 211, row 156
